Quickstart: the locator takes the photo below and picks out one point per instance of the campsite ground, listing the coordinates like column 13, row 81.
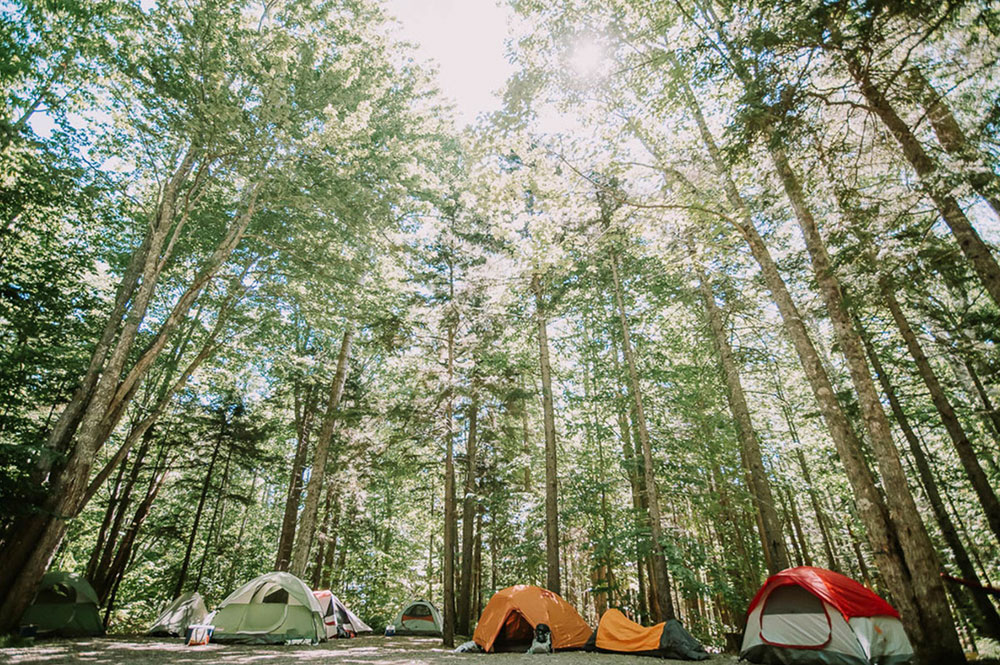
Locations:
column 375, row 650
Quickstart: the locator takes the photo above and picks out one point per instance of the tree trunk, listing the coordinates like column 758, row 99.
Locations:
column 305, row 407
column 976, row 251
column 880, row 530
column 660, row 578
column 477, row 563
column 966, row 453
column 332, row 537
column 307, row 522
column 90, row 417
column 551, row 478
column 329, row 509
column 821, row 517
column 912, row 574
column 753, row 460
column 797, row 524
column 448, row 553
column 989, row 619
column 468, row 517
column 182, row 576
column 949, row 134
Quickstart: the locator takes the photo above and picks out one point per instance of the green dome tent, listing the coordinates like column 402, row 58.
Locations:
column 418, row 617
column 65, row 605
column 273, row 609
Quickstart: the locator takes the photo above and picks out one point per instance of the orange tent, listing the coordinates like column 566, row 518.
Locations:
column 619, row 634
column 512, row 614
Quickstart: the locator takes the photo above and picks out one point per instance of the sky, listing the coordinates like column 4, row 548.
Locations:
column 465, row 38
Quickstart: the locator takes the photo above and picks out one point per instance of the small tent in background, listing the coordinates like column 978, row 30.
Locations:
column 813, row 616
column 187, row 608
column 338, row 620
column 64, row 605
column 509, row 620
column 273, row 609
column 418, row 617
column 616, row 633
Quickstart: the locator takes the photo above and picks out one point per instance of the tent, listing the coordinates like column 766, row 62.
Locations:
column 339, row 621
column 187, row 608
column 274, row 608
column 64, row 605
column 509, row 619
column 810, row 616
column 616, row 633
column 418, row 617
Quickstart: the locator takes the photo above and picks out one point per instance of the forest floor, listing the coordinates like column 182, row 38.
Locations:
column 376, row 650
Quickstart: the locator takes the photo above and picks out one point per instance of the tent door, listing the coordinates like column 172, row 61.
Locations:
column 516, row 633
column 793, row 617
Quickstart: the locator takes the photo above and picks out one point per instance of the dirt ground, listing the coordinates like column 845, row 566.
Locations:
column 377, row 650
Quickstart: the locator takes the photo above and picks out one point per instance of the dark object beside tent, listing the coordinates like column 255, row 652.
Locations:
column 64, row 605
column 616, row 633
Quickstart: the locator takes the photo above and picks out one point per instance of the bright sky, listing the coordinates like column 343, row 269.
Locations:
column 465, row 38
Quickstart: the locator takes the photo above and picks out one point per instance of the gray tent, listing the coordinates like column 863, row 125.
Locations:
column 188, row 608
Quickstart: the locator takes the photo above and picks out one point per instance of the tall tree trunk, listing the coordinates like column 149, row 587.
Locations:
column 307, row 522
column 989, row 619
column 332, row 538
column 477, row 563
column 753, row 459
column 186, row 563
column 797, row 524
column 912, row 577
column 448, row 554
column 100, row 401
column 305, row 407
column 323, row 544
column 949, row 134
column 821, row 516
column 976, row 251
column 660, row 578
column 966, row 453
column 551, row 478
column 468, row 517
column 881, row 531
column 215, row 524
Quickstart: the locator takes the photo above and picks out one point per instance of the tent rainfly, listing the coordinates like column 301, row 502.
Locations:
column 186, row 609
column 813, row 616
column 337, row 619
column 66, row 605
column 616, row 633
column 418, row 617
column 275, row 608
column 508, row 621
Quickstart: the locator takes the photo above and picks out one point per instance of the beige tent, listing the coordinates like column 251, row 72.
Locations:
column 188, row 608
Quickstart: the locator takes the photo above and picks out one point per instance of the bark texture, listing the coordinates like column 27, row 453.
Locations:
column 314, row 490
column 753, row 459
column 552, row 578
column 660, row 578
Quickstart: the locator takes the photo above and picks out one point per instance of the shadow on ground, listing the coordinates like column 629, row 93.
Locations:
column 376, row 650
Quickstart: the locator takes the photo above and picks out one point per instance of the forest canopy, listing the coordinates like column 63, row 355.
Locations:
column 714, row 294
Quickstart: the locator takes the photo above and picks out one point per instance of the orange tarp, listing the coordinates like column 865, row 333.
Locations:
column 616, row 632
column 502, row 618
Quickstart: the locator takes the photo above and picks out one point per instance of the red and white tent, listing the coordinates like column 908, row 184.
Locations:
column 339, row 621
column 809, row 615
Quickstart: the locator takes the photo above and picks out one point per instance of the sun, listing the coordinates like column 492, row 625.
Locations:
column 587, row 58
